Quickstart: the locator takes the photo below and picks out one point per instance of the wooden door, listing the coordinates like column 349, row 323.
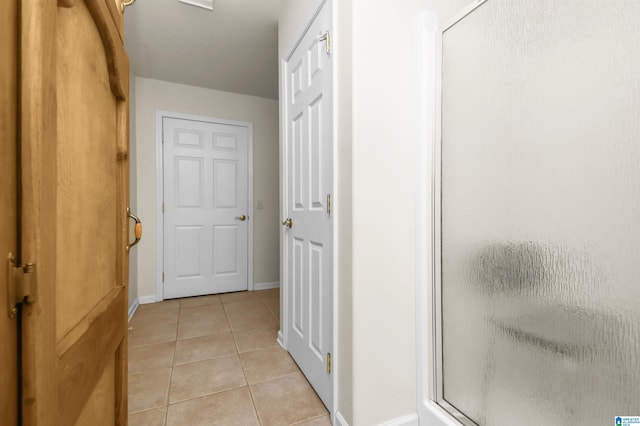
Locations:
column 8, row 206
column 309, row 181
column 74, row 171
column 206, row 197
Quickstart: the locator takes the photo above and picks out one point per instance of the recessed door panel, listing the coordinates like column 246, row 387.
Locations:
column 225, row 249
column 297, row 148
column 225, row 184
column 188, row 138
column 225, row 142
column 189, row 180
column 86, row 170
column 315, row 60
column 189, row 251
column 316, row 289
column 316, row 169
column 299, row 280
column 295, row 80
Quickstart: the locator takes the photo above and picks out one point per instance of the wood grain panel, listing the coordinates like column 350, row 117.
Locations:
column 38, row 182
column 99, row 407
column 66, row 3
column 8, row 204
column 116, row 55
column 87, row 163
column 81, row 365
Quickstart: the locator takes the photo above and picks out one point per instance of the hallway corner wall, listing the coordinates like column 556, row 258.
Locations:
column 155, row 95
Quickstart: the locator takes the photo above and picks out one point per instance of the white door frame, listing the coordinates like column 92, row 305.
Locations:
column 160, row 115
column 428, row 311
column 284, row 318
column 427, row 228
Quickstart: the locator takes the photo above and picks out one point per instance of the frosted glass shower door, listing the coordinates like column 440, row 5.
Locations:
column 540, row 213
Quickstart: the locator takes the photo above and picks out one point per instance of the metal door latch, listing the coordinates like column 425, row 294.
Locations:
column 21, row 284
column 326, row 37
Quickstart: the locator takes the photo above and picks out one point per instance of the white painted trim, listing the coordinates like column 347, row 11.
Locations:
column 145, row 300
column 160, row 191
column 408, row 420
column 282, row 334
column 250, row 211
column 336, row 210
column 280, row 340
column 266, row 286
column 133, row 308
column 429, row 412
column 340, row 421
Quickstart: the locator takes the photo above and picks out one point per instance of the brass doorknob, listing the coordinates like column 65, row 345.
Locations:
column 241, row 217
column 288, row 222
column 137, row 230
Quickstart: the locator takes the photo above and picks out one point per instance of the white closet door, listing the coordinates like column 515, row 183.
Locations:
column 309, row 241
column 205, row 207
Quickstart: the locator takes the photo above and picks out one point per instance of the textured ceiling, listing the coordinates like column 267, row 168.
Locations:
column 232, row 48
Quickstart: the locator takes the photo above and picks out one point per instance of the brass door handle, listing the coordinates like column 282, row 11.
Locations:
column 241, row 217
column 288, row 222
column 137, row 230
column 124, row 4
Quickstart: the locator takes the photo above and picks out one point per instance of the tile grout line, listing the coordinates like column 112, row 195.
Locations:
column 308, row 420
column 173, row 361
column 237, row 353
column 244, row 374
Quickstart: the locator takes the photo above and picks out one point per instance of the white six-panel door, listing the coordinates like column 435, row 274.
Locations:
column 205, row 201
column 309, row 183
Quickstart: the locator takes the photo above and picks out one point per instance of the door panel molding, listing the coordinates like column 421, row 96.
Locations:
column 160, row 115
column 100, row 339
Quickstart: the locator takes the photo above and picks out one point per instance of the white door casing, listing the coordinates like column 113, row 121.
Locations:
column 206, row 187
column 308, row 165
column 427, row 224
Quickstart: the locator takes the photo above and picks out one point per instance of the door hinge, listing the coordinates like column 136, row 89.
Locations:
column 328, row 203
column 326, row 37
column 162, row 207
column 21, row 282
column 163, row 277
column 329, row 363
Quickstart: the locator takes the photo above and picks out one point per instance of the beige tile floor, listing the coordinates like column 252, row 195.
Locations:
column 214, row 360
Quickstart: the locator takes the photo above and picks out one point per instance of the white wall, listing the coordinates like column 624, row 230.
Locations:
column 152, row 96
column 386, row 128
column 133, row 188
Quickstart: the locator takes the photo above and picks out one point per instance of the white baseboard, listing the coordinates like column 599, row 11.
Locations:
column 280, row 340
column 145, row 300
column 409, row 420
column 133, row 308
column 340, row 421
column 266, row 286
